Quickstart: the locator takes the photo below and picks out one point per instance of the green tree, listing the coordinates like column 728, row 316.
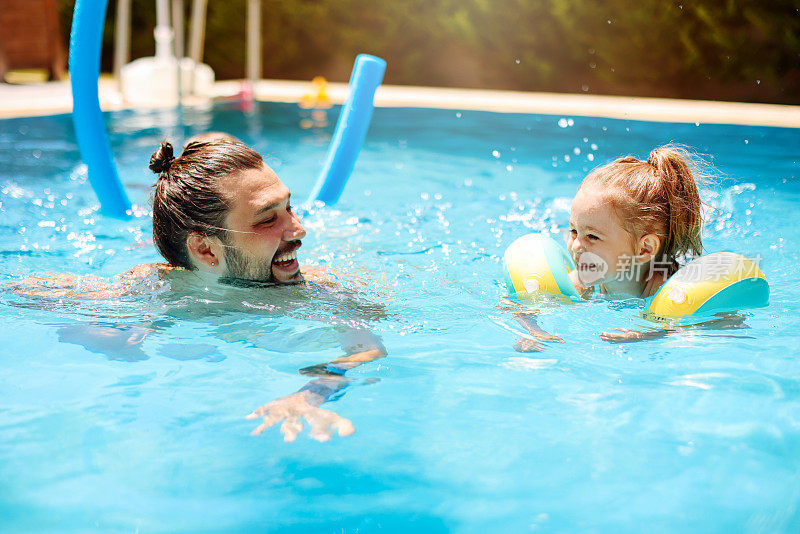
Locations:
column 723, row 49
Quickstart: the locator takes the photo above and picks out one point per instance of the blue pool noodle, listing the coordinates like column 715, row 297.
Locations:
column 84, row 70
column 351, row 129
column 84, row 66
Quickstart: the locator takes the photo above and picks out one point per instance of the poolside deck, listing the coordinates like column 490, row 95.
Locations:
column 55, row 97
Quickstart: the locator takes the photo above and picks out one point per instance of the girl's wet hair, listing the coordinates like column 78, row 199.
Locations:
column 188, row 196
column 656, row 196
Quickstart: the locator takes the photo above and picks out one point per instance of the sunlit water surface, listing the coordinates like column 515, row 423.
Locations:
column 128, row 414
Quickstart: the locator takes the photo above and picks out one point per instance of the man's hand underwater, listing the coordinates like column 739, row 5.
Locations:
column 292, row 408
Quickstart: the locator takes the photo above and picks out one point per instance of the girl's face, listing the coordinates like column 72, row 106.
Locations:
column 602, row 249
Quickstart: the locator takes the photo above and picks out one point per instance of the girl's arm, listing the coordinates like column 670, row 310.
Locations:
column 528, row 321
column 526, row 317
column 723, row 322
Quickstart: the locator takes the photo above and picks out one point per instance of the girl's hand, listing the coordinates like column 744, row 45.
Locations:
column 544, row 336
column 721, row 322
column 623, row 335
column 525, row 344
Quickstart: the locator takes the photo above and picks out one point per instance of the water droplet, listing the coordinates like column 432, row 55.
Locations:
column 496, row 153
column 563, row 123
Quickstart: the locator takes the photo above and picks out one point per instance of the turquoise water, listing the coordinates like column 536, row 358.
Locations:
column 455, row 431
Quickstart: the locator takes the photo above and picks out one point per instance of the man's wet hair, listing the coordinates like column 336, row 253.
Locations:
column 188, row 196
column 207, row 137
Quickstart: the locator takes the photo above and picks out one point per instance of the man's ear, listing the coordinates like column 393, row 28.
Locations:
column 647, row 247
column 206, row 252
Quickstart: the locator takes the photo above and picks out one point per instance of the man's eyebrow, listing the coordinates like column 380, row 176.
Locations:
column 273, row 205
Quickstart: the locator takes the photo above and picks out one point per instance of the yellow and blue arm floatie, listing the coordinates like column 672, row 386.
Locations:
column 721, row 282
column 535, row 262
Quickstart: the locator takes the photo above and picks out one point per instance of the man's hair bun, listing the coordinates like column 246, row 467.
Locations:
column 162, row 158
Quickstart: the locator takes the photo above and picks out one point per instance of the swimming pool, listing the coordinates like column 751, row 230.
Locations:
column 454, row 429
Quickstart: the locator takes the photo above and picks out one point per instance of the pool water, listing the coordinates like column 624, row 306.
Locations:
column 127, row 414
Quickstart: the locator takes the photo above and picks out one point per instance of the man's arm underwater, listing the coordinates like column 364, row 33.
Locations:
column 361, row 346
column 305, row 404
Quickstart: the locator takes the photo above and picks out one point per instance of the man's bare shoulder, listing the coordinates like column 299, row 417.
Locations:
column 87, row 287
column 147, row 269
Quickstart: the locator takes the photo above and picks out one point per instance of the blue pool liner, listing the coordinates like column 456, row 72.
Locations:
column 84, row 70
column 351, row 129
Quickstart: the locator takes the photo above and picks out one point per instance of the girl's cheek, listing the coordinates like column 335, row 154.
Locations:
column 570, row 241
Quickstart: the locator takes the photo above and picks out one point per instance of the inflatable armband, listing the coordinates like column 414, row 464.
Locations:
column 721, row 282
column 535, row 262
column 716, row 283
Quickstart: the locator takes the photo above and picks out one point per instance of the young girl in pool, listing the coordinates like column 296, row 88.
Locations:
column 632, row 223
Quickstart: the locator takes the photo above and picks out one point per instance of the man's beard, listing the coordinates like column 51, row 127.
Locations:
column 242, row 268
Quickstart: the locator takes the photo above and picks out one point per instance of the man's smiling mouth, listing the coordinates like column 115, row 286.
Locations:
column 285, row 259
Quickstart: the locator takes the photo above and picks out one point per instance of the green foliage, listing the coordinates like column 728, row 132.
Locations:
column 723, row 49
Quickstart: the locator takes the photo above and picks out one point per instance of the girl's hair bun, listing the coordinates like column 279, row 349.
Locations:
column 666, row 156
column 162, row 158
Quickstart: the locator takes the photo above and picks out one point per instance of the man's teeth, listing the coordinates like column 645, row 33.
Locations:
column 286, row 257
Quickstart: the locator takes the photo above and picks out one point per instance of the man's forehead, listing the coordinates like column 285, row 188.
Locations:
column 256, row 187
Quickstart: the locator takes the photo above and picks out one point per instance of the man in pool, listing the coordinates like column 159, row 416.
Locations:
column 219, row 209
column 221, row 214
